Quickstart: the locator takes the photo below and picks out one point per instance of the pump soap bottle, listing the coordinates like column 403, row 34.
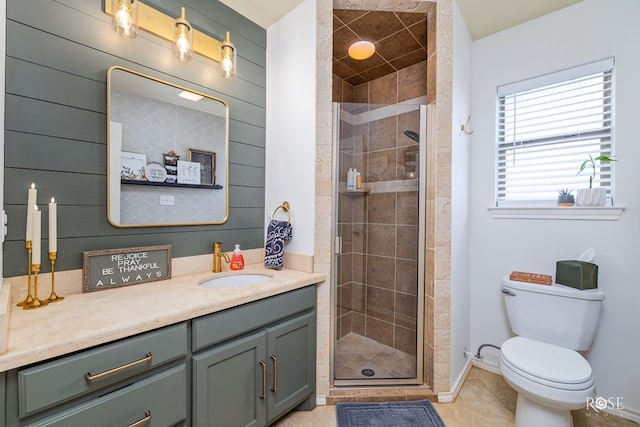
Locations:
column 237, row 260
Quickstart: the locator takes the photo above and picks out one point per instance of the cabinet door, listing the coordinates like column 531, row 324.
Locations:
column 2, row 398
column 229, row 384
column 292, row 368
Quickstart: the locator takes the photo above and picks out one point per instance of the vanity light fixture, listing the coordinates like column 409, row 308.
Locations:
column 228, row 58
column 184, row 37
column 361, row 49
column 125, row 18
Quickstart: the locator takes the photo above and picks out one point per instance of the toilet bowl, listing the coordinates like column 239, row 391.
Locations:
column 550, row 381
column 541, row 363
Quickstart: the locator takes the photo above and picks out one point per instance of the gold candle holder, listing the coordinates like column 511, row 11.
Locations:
column 53, row 297
column 29, row 299
column 36, row 303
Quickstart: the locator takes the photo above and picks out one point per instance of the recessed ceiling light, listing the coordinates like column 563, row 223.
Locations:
column 361, row 49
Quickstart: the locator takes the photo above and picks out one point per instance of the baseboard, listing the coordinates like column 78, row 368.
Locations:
column 491, row 367
column 450, row 396
column 626, row 413
column 321, row 400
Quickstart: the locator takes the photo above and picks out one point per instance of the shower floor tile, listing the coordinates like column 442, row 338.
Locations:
column 355, row 353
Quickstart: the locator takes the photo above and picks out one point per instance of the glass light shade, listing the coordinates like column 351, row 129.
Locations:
column 125, row 18
column 228, row 59
column 361, row 49
column 182, row 38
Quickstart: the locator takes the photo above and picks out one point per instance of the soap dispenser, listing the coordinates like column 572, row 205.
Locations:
column 237, row 260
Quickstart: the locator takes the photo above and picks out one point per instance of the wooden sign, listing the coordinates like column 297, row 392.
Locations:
column 112, row 268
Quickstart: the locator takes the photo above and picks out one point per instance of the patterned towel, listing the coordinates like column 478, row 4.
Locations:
column 278, row 232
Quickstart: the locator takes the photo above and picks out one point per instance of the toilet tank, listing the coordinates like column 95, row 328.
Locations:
column 555, row 314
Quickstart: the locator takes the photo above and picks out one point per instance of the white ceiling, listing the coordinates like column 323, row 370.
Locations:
column 263, row 12
column 486, row 17
column 483, row 17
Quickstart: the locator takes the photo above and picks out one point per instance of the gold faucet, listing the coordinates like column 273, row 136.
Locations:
column 217, row 254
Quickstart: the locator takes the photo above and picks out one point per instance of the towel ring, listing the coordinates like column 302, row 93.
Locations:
column 285, row 206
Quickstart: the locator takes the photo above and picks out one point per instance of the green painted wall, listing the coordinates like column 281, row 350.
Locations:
column 58, row 53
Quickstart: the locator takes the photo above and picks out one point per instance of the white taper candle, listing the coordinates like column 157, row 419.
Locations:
column 53, row 232
column 31, row 200
column 37, row 226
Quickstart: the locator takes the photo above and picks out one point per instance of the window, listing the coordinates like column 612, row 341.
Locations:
column 547, row 126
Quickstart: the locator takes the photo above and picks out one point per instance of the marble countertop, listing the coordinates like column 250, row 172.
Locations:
column 88, row 319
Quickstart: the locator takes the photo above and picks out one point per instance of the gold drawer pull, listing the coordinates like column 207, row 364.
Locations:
column 146, row 419
column 275, row 374
column 264, row 380
column 90, row 377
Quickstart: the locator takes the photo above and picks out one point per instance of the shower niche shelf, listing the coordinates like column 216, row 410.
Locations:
column 361, row 191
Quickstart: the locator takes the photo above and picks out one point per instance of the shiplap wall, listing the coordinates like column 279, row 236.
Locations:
column 58, row 53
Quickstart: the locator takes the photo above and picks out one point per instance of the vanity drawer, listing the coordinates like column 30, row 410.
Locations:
column 160, row 400
column 218, row 327
column 51, row 383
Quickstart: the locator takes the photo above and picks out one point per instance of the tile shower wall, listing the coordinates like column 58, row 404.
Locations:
column 377, row 291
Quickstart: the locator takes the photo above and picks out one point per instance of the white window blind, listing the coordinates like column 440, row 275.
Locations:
column 547, row 126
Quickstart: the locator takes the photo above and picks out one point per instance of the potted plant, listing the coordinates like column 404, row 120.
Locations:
column 592, row 196
column 565, row 198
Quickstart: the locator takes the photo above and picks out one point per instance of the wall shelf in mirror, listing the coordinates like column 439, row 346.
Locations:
column 169, row 184
column 148, row 118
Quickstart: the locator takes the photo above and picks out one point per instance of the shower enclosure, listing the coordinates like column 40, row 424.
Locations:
column 378, row 283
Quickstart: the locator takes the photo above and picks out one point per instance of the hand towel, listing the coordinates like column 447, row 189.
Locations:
column 278, row 232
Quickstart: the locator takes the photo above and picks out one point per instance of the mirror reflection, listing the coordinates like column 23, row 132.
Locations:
column 167, row 153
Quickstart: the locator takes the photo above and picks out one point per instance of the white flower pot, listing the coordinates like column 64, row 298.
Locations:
column 591, row 196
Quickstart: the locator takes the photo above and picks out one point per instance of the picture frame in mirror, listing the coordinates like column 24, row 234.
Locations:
column 207, row 161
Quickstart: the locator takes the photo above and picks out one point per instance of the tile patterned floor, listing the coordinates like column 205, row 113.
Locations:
column 485, row 400
column 355, row 353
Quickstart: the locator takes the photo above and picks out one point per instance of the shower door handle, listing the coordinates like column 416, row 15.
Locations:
column 338, row 244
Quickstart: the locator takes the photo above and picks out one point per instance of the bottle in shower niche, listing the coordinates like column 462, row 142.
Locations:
column 358, row 181
column 237, row 260
column 351, row 179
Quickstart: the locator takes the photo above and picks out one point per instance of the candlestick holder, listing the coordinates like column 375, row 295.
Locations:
column 53, row 297
column 36, row 303
column 29, row 299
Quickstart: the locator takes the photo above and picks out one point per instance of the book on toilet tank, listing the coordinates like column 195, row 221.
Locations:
column 521, row 276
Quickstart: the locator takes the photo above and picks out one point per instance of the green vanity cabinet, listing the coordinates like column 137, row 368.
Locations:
column 263, row 372
column 243, row 366
column 112, row 384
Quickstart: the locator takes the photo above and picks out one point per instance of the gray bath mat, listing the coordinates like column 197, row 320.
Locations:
column 419, row 413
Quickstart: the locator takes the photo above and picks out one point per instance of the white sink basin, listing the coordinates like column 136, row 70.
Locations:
column 235, row 281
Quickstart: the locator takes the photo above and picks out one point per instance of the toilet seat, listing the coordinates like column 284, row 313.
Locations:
column 547, row 364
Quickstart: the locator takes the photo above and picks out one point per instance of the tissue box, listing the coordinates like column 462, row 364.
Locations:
column 577, row 274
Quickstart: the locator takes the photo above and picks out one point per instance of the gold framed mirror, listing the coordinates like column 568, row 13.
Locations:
column 167, row 153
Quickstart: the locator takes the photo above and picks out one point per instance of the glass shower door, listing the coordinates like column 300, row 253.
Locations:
column 378, row 278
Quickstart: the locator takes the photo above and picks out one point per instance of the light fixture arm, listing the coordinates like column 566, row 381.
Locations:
column 161, row 25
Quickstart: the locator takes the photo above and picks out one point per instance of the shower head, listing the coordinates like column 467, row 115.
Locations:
column 413, row 135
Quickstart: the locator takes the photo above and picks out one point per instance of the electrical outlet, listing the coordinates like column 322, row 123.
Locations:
column 166, row 200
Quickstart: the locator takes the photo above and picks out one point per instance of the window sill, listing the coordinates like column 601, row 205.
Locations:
column 589, row 213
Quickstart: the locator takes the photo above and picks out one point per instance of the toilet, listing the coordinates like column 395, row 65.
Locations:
column 542, row 363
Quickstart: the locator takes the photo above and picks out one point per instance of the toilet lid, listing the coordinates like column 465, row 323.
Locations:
column 546, row 361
